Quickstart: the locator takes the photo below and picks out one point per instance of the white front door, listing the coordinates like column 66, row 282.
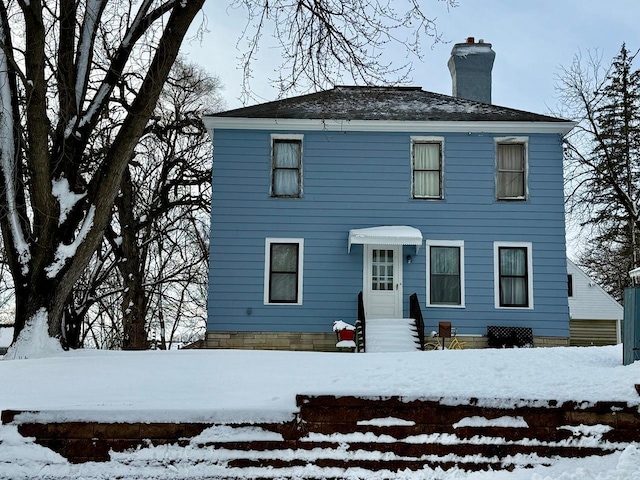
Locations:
column 382, row 267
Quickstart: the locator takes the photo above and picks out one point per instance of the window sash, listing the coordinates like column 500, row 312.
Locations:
column 382, row 270
column 511, row 164
column 513, row 276
column 445, row 279
column 427, row 170
column 283, row 272
column 286, row 168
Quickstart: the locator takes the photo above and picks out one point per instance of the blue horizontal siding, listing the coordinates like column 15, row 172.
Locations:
column 356, row 180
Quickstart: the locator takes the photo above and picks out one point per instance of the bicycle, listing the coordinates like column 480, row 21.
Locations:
column 455, row 343
column 434, row 343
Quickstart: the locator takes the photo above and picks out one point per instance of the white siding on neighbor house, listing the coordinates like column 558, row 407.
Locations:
column 589, row 300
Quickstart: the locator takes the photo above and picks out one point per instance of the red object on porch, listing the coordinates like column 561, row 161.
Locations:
column 346, row 335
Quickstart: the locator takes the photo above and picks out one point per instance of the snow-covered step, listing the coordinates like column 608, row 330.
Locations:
column 391, row 335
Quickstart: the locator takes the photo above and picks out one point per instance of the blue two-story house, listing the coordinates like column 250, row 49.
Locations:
column 387, row 191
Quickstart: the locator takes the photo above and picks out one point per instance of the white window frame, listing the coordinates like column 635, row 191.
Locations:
column 445, row 243
column 427, row 139
column 524, row 141
column 286, row 136
column 496, row 273
column 267, row 267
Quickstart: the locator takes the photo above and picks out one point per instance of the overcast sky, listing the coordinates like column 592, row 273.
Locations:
column 531, row 38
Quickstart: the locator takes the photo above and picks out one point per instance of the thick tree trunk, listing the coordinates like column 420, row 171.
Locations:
column 48, row 253
column 32, row 298
column 134, row 300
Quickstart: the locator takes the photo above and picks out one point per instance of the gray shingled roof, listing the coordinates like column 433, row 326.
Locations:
column 383, row 103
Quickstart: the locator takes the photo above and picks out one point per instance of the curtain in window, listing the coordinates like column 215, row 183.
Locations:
column 445, row 275
column 283, row 285
column 511, row 167
column 513, row 277
column 286, row 168
column 426, row 170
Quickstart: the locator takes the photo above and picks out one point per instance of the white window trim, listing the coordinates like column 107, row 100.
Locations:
column 445, row 243
column 496, row 273
column 267, row 267
column 573, row 285
column 516, row 141
column 286, row 136
column 428, row 139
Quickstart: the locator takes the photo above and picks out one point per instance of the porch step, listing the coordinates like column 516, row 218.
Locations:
column 391, row 335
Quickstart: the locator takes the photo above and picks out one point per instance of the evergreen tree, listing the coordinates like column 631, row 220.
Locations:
column 603, row 177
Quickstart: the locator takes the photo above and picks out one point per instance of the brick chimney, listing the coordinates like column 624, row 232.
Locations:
column 470, row 66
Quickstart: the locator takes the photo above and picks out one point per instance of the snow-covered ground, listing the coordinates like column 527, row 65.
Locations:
column 245, row 386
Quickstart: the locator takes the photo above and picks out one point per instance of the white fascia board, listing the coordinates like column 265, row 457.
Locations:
column 239, row 123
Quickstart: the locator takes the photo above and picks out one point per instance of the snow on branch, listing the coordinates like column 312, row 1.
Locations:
column 66, row 198
column 85, row 46
column 8, row 158
column 65, row 252
column 143, row 20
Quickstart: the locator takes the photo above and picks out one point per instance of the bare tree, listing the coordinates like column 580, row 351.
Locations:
column 602, row 159
column 56, row 203
column 153, row 260
column 325, row 41
column 64, row 68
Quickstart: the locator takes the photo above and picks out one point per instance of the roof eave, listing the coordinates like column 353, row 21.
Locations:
column 522, row 127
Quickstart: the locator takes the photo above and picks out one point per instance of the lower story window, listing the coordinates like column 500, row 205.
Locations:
column 513, row 275
column 445, row 273
column 283, row 271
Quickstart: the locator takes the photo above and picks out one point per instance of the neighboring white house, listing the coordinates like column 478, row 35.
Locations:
column 595, row 316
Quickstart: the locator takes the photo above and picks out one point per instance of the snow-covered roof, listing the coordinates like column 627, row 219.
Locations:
column 635, row 275
column 386, row 235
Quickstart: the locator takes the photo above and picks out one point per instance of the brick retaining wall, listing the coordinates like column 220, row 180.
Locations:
column 425, row 432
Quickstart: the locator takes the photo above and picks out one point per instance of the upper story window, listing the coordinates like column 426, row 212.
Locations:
column 286, row 166
column 445, row 273
column 283, row 271
column 570, row 285
column 513, row 275
column 426, row 165
column 511, row 169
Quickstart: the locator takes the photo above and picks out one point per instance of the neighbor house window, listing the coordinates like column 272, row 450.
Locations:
column 286, row 166
column 570, row 285
column 511, row 166
column 283, row 271
column 513, row 275
column 427, row 168
column 445, row 273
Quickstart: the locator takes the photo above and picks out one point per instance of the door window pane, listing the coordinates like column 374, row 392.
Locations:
column 382, row 270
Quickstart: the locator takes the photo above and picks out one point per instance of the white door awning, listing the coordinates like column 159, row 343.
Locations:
column 387, row 235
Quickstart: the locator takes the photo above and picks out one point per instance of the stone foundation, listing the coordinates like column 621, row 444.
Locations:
column 477, row 341
column 550, row 341
column 317, row 342
column 326, row 342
